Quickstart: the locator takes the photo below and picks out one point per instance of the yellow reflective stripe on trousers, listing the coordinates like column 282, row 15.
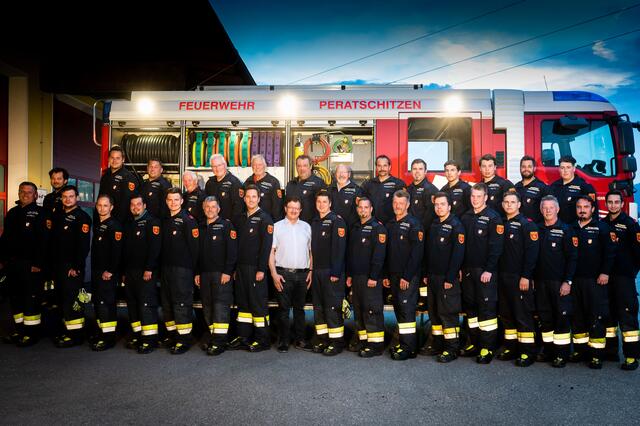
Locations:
column 611, row 332
column 376, row 337
column 136, row 326
column 423, row 291
column 18, row 318
column 322, row 329
column 259, row 322
column 547, row 336
column 510, row 334
column 580, row 338
column 108, row 327
column 600, row 343
column 149, row 330
column 220, row 328
column 473, row 322
column 75, row 324
column 631, row 336
column 407, row 327
column 526, row 337
column 561, row 338
column 336, row 333
column 436, row 330
column 170, row 325
column 32, row 319
column 362, row 334
column 245, row 317
column 451, row 333
column 488, row 325
column 184, row 328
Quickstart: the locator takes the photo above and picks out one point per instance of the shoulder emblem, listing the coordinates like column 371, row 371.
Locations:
column 279, row 192
column 420, row 235
column 341, row 232
column 233, row 234
column 613, row 236
column 533, row 235
column 500, row 229
column 241, row 192
column 48, row 223
column 461, row 238
column 638, row 237
column 85, row 228
column 156, row 230
column 195, row 232
column 270, row 229
column 132, row 186
column 118, row 236
column 575, row 241
column 382, row 238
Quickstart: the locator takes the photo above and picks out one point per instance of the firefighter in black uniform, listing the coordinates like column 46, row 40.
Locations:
column 119, row 183
column 496, row 185
column 421, row 192
column 458, row 190
column 23, row 246
column 405, row 251
column 531, row 189
column 52, row 202
column 590, row 292
column 179, row 257
column 153, row 189
column 216, row 264
column 328, row 247
column 344, row 195
column 141, row 261
column 270, row 191
column 305, row 187
column 72, row 239
column 365, row 261
column 444, row 254
column 255, row 237
column 515, row 288
column 568, row 188
column 227, row 189
column 553, row 279
column 380, row 189
column 193, row 196
column 622, row 283
column 484, row 232
column 106, row 253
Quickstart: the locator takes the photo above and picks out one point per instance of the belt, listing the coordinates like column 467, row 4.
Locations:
column 291, row 270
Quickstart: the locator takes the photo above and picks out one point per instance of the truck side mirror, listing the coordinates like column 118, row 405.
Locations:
column 629, row 164
column 625, row 138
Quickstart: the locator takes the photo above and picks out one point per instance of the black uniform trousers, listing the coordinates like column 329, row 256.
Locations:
column 293, row 295
column 253, row 305
column 404, row 306
column 516, row 309
column 176, row 286
column 68, row 289
column 142, row 304
column 623, row 296
column 480, row 304
column 216, row 305
column 554, row 312
column 590, row 315
column 444, row 313
column 327, row 307
column 368, row 304
column 26, row 292
column 103, row 294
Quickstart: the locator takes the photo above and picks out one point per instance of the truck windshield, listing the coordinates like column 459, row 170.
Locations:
column 591, row 146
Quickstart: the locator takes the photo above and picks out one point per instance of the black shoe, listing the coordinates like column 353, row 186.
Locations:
column 26, row 341
column 524, row 361
column 368, row 353
column 629, row 364
column 238, row 344
column 133, row 343
column 446, row 356
column 258, row 347
column 576, row 357
column 91, row 340
column 402, row 354
column 595, row 363
column 167, row 342
column 559, row 362
column 11, row 339
column 179, row 348
column 145, row 348
column 469, row 351
column 102, row 345
column 215, row 350
column 331, row 350
column 319, row 347
column 355, row 346
column 303, row 345
column 542, row 357
column 506, row 355
column 65, row 341
column 484, row 357
column 429, row 350
column 283, row 348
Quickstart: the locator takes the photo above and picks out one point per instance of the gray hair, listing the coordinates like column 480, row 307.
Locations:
column 214, row 156
column 210, row 199
column 549, row 198
column 346, row 166
column 190, row 173
column 258, row 157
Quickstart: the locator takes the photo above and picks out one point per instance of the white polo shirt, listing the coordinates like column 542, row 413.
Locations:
column 292, row 242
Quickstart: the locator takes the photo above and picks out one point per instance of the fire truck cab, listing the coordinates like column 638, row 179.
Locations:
column 354, row 124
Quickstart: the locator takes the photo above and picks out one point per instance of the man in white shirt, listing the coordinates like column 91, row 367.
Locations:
column 289, row 265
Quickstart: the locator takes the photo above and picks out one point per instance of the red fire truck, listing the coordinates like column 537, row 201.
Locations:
column 353, row 124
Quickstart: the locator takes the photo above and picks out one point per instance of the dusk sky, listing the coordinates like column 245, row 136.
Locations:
column 284, row 42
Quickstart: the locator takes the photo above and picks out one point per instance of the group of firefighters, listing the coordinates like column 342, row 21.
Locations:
column 535, row 256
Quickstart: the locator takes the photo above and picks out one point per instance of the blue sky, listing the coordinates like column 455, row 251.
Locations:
column 283, row 41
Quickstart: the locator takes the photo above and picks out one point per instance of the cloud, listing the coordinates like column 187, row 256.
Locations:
column 600, row 50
